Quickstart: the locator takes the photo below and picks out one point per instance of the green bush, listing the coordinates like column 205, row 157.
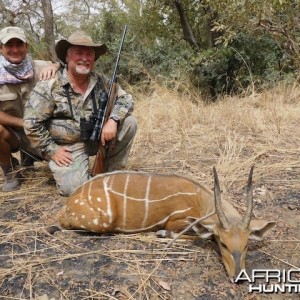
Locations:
column 231, row 70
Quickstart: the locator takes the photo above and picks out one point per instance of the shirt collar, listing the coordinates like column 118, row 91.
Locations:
column 92, row 80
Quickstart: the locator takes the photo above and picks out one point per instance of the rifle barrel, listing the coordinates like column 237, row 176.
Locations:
column 117, row 62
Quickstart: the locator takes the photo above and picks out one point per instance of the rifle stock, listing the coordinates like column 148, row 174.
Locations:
column 99, row 166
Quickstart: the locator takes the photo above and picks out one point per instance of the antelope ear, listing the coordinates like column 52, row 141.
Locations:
column 259, row 228
column 205, row 231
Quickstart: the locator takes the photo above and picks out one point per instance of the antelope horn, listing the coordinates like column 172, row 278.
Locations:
column 217, row 191
column 247, row 217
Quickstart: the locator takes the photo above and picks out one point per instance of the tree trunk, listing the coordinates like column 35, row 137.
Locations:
column 49, row 28
column 187, row 30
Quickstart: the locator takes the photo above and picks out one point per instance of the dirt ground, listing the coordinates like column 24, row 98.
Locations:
column 73, row 265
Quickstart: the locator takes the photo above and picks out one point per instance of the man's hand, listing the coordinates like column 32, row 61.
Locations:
column 109, row 131
column 49, row 72
column 63, row 156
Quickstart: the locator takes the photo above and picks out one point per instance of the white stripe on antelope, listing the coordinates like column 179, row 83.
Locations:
column 132, row 202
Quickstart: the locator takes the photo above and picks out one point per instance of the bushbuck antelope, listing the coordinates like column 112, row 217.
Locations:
column 132, row 202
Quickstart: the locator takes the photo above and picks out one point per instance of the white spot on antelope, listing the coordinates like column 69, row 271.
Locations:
column 95, row 221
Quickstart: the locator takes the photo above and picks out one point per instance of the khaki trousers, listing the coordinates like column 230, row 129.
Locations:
column 69, row 178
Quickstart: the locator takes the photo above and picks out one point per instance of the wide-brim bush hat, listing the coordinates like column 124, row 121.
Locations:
column 78, row 38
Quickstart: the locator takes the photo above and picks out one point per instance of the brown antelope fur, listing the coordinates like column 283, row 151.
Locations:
column 131, row 202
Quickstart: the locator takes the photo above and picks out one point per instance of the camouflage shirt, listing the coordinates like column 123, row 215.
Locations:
column 50, row 121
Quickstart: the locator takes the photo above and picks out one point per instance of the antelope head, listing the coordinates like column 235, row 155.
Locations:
column 232, row 232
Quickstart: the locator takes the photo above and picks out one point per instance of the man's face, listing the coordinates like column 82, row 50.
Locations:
column 14, row 51
column 80, row 59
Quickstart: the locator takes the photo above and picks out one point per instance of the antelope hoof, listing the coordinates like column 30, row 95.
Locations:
column 166, row 234
column 162, row 233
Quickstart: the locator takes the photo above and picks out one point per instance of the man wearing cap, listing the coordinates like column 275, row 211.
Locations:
column 55, row 107
column 18, row 74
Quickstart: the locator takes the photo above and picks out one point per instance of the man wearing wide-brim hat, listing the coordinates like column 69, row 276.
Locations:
column 18, row 75
column 58, row 112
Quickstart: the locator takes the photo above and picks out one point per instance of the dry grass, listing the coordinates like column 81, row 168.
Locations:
column 177, row 134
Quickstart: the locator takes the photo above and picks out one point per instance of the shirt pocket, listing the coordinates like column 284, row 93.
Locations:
column 63, row 109
column 11, row 104
column 8, row 96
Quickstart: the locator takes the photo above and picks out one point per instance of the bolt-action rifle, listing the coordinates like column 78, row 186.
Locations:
column 106, row 105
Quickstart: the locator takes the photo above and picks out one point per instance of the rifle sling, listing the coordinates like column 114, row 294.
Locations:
column 69, row 100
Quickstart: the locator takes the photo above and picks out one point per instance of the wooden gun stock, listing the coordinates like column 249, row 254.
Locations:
column 99, row 163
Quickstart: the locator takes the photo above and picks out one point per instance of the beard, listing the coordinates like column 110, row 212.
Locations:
column 83, row 70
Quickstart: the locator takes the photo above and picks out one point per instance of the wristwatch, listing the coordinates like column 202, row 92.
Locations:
column 116, row 119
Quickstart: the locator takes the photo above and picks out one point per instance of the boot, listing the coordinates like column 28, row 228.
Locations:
column 11, row 180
